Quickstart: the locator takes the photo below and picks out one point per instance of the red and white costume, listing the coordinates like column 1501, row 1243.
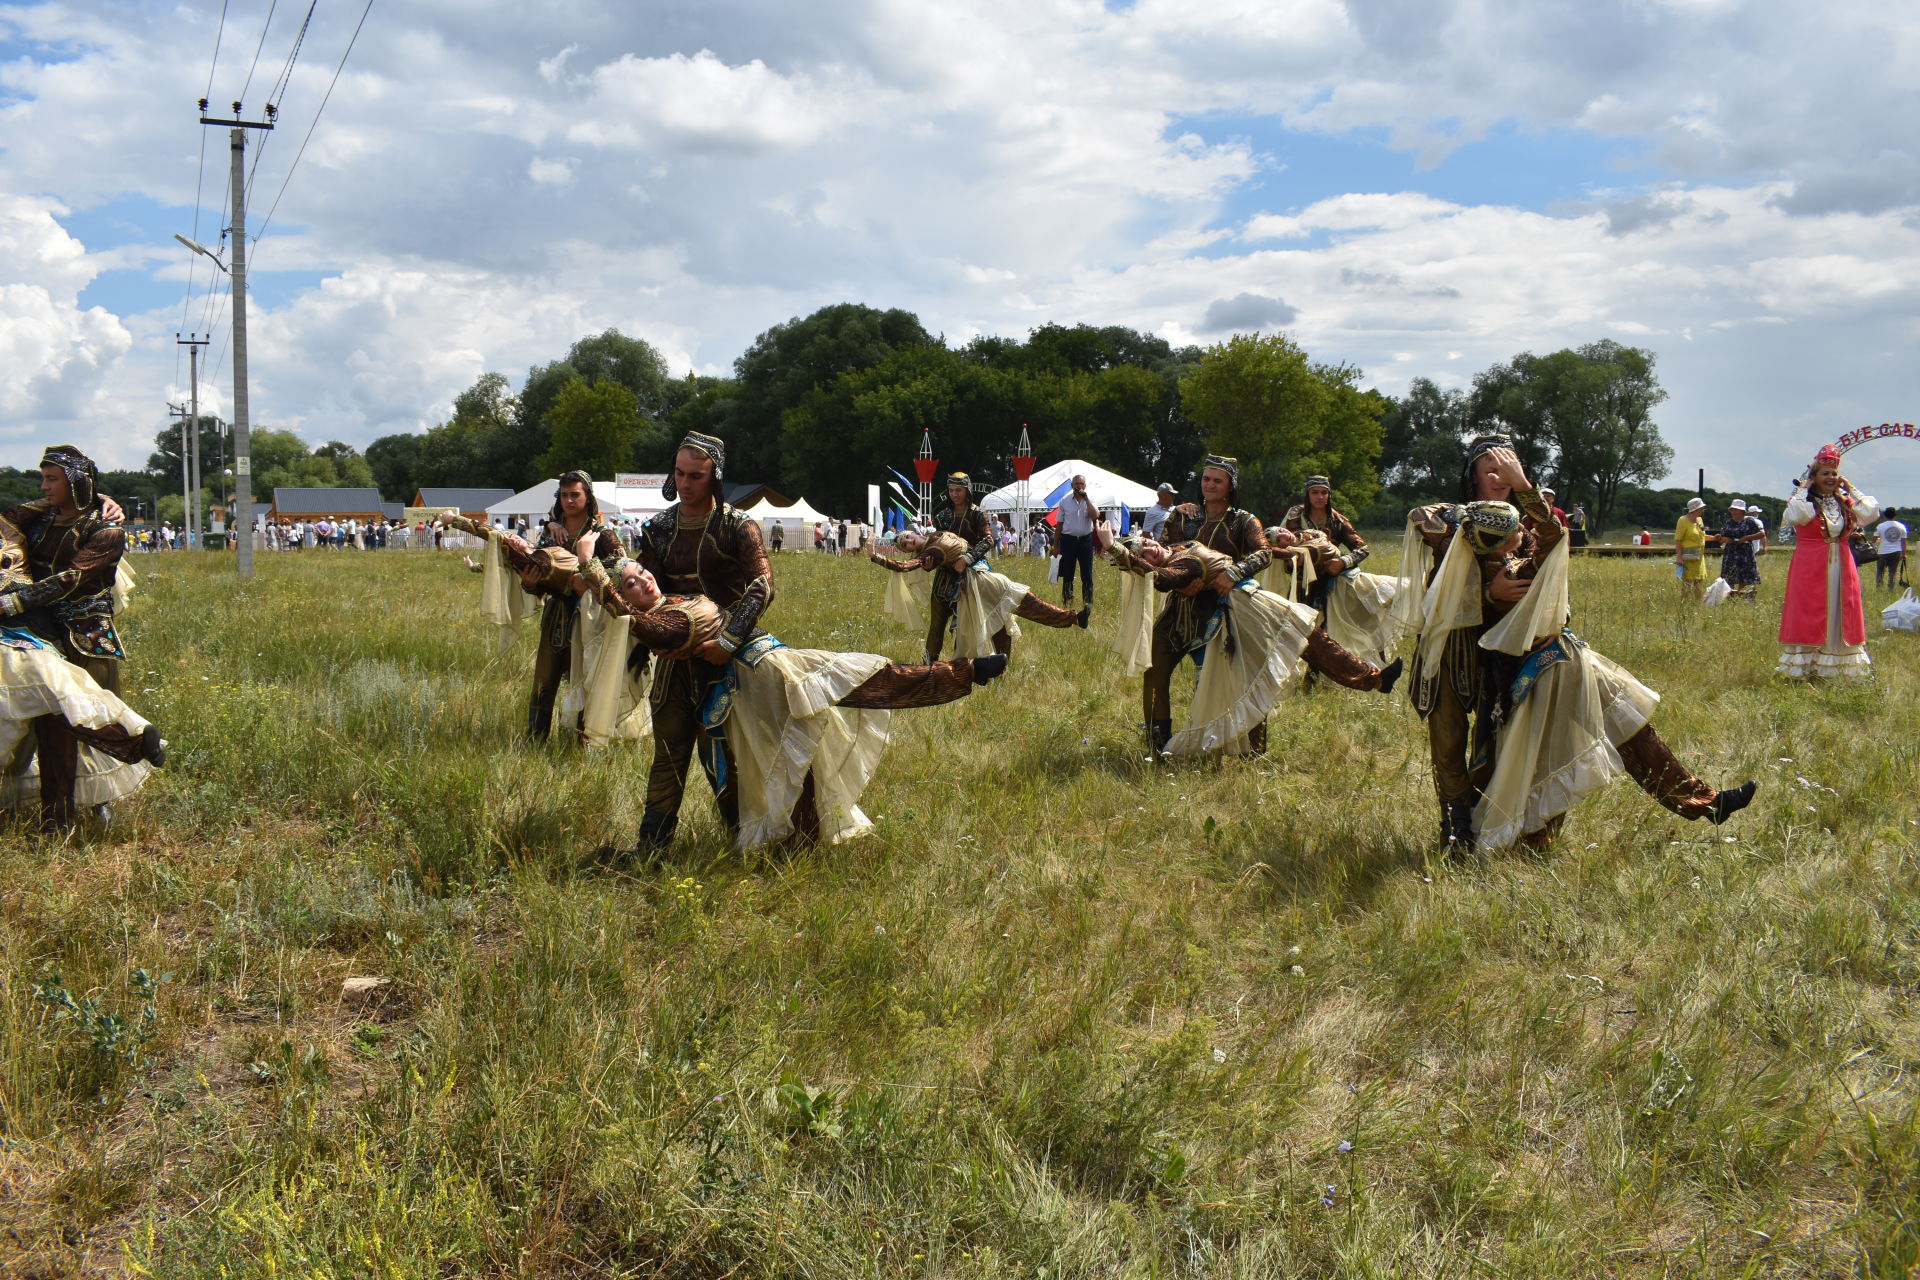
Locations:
column 1823, row 629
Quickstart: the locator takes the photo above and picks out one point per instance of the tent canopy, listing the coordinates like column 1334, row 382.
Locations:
column 799, row 513
column 536, row 502
column 1049, row 484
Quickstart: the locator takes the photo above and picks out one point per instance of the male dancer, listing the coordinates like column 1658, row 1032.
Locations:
column 700, row 546
column 793, row 734
column 74, row 541
column 1218, row 525
column 967, row 522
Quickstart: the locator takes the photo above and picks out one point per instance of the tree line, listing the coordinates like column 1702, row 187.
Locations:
column 817, row 405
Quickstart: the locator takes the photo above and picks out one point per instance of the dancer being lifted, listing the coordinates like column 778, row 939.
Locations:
column 792, row 735
column 1451, row 687
column 1357, row 605
column 1248, row 647
column 979, row 605
column 1570, row 721
column 113, row 748
column 1217, row 525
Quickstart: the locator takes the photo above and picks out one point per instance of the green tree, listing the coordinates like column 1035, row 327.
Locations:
column 592, row 428
column 393, row 460
column 786, row 364
column 607, row 357
column 1582, row 420
column 1422, row 443
column 1258, row 397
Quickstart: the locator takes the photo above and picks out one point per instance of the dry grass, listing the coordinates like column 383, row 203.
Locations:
column 1066, row 1013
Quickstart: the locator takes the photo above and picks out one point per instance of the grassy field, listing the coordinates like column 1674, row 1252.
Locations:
column 1065, row 1014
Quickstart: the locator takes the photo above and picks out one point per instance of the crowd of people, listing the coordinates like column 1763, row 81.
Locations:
column 654, row 628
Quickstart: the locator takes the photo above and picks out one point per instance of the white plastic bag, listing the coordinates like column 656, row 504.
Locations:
column 1903, row 614
column 1053, row 568
column 1717, row 590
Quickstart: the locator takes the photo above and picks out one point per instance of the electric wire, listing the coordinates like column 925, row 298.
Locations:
column 199, row 179
column 321, row 110
column 248, row 84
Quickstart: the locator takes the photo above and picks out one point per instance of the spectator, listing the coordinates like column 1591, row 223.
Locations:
column 1690, row 550
column 1887, row 570
column 1155, row 521
column 1076, row 514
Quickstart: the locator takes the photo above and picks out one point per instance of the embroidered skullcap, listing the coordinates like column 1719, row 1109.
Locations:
column 1229, row 465
column 83, row 478
column 710, row 447
column 582, row 479
column 1828, row 453
column 962, row 479
column 1485, row 525
column 1318, row 482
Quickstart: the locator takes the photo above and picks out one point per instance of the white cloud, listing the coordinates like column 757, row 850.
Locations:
column 477, row 198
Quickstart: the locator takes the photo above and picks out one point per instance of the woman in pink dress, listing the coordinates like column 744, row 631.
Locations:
column 1823, row 630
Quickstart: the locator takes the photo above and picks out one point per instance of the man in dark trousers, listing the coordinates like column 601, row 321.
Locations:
column 1076, row 514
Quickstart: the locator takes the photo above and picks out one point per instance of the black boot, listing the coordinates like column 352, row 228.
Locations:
column 1390, row 675
column 1456, row 828
column 539, row 720
column 1080, row 618
column 1730, row 802
column 1159, row 734
column 991, row 667
column 153, row 748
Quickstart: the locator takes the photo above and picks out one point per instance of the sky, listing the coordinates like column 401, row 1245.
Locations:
column 1419, row 188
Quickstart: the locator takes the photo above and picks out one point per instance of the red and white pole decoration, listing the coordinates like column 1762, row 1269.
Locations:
column 926, row 466
column 1022, row 471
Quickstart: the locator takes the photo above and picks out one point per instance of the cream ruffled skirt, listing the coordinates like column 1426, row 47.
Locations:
column 1558, row 746
column 39, row 682
column 1237, row 690
column 784, row 723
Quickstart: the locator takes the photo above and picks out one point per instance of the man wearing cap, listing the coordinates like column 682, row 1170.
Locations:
column 1076, row 515
column 700, row 546
column 74, row 543
column 1182, row 627
column 1453, row 680
column 1154, row 523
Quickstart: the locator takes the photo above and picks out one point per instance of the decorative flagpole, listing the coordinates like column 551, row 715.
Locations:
column 925, row 466
column 1022, row 470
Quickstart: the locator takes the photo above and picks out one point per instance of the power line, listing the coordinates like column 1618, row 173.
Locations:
column 325, row 98
column 256, row 50
column 199, row 179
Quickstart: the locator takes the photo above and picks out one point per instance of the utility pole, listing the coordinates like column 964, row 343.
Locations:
column 191, row 512
column 180, row 411
column 242, row 448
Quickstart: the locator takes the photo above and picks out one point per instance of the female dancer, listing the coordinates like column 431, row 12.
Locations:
column 982, row 604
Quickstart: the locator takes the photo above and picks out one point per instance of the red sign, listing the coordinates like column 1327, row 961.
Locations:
column 1023, row 466
column 926, row 469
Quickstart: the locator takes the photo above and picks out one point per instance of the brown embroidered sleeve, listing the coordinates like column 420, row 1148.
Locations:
column 1255, row 553
column 737, row 627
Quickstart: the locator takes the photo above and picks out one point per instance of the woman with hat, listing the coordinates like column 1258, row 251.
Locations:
column 1823, row 629
column 1738, row 539
column 1690, row 550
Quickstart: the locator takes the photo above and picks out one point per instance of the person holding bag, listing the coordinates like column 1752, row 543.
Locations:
column 1690, row 551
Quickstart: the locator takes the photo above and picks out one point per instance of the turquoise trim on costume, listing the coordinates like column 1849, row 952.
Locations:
column 1558, row 649
column 21, row 638
column 754, row 650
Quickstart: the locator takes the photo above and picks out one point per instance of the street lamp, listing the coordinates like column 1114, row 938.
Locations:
column 202, row 250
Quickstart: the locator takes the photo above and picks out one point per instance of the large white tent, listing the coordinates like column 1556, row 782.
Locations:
column 1049, row 484
column 796, row 522
column 536, row 502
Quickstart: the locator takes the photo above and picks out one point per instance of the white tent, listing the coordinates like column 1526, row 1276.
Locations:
column 536, row 502
column 1049, row 484
column 796, row 522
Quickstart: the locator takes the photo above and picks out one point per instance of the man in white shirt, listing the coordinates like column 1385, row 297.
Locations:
column 1893, row 550
column 1076, row 514
column 1154, row 523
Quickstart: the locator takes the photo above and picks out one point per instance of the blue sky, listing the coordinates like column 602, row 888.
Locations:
column 1416, row 191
